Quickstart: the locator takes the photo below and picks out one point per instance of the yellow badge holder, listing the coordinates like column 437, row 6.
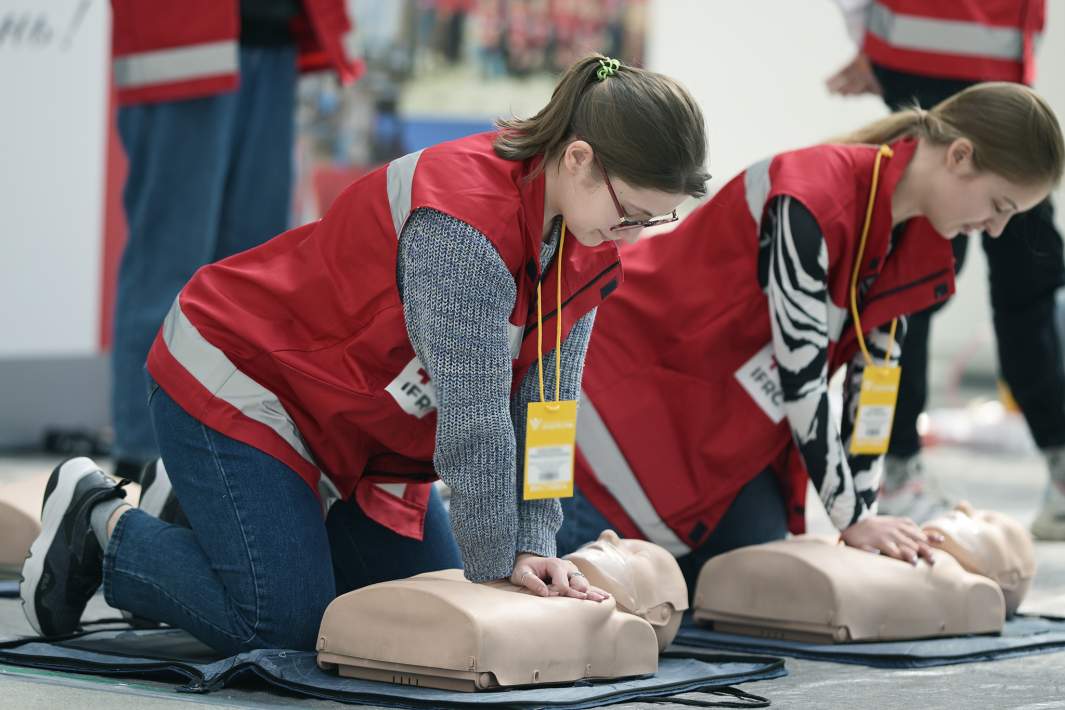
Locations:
column 551, row 427
column 880, row 383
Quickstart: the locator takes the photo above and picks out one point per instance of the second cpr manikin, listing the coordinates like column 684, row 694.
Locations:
column 440, row 630
column 644, row 579
column 811, row 589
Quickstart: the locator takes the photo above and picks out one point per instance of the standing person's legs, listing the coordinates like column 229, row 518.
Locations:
column 1026, row 268
column 178, row 152
column 257, row 194
column 253, row 571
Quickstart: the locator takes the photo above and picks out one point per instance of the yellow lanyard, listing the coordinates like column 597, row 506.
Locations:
column 884, row 151
column 558, row 324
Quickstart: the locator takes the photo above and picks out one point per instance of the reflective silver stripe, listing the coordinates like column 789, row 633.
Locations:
column 164, row 66
column 220, row 377
column 946, row 36
column 515, row 333
column 613, row 471
column 396, row 489
column 756, row 186
column 400, row 179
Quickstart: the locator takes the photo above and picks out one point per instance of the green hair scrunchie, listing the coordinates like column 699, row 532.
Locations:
column 607, row 67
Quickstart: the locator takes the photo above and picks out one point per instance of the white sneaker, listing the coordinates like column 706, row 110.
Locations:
column 1049, row 522
column 908, row 491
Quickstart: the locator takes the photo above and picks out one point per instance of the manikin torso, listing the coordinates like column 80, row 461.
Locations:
column 809, row 588
column 440, row 630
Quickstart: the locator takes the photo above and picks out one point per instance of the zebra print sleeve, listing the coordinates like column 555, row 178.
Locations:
column 795, row 261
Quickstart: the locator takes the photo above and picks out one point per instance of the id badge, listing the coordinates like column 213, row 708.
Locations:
column 550, row 441
column 876, row 409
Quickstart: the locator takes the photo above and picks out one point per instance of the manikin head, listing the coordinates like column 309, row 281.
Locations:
column 643, row 577
column 17, row 532
column 990, row 544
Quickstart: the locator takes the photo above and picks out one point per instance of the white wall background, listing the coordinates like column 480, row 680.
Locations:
column 53, row 79
column 758, row 68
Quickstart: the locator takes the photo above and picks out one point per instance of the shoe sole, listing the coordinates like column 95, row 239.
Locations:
column 1048, row 532
column 70, row 473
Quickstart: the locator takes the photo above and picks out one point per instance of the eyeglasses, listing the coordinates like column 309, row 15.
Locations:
column 624, row 221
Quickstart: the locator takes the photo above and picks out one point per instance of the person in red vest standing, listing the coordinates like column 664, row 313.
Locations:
column 399, row 338
column 705, row 409
column 206, row 92
column 921, row 52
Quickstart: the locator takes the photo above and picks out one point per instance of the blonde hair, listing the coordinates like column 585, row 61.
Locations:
column 644, row 127
column 1013, row 130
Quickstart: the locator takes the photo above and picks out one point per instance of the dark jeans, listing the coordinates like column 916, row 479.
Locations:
column 208, row 178
column 259, row 565
column 757, row 515
column 1025, row 268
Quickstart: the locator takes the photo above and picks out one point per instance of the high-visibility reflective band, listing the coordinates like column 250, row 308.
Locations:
column 395, row 489
column 165, row 66
column 212, row 369
column 400, row 178
column 945, row 36
column 613, row 471
column 756, row 188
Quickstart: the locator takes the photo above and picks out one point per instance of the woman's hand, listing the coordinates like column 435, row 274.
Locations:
column 895, row 537
column 553, row 577
column 854, row 79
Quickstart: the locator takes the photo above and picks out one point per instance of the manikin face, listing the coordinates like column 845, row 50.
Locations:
column 588, row 207
column 990, row 544
column 644, row 579
column 960, row 199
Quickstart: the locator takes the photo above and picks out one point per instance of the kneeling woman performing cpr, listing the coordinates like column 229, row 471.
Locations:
column 393, row 340
column 706, row 409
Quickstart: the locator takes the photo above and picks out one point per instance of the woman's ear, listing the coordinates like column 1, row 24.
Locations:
column 577, row 156
column 959, row 156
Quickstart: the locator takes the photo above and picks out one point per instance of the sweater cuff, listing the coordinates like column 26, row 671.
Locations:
column 538, row 523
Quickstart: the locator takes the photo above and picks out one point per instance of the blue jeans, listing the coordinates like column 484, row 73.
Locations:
column 208, row 178
column 259, row 565
column 757, row 515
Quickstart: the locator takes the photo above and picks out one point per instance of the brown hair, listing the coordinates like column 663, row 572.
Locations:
column 643, row 126
column 1013, row 131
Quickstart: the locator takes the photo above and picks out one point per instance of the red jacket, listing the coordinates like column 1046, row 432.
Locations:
column 978, row 40
column 299, row 347
column 167, row 50
column 680, row 406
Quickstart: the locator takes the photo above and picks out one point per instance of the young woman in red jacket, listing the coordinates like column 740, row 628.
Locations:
column 706, row 406
column 394, row 340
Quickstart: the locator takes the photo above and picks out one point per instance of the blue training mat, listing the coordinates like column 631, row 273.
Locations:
column 166, row 653
column 1022, row 635
column 8, row 588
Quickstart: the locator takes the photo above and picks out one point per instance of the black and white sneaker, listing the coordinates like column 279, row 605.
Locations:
column 157, row 495
column 65, row 565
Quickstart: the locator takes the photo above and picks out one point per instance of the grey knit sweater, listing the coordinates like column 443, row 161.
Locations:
column 457, row 299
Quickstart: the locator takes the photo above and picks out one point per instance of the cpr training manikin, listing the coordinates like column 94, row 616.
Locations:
column 17, row 532
column 440, row 630
column 810, row 589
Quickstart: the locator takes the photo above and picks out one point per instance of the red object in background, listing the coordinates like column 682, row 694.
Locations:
column 114, row 224
column 331, row 180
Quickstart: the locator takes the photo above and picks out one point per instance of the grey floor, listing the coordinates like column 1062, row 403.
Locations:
column 1010, row 483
